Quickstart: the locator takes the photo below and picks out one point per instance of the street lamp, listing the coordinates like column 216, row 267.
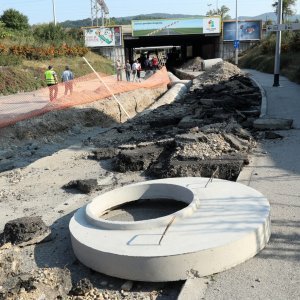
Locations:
column 236, row 34
column 278, row 46
column 54, row 16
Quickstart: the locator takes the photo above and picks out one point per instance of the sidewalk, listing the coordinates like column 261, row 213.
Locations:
column 274, row 171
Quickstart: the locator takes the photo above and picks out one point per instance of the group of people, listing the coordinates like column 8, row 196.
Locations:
column 134, row 69
column 52, row 82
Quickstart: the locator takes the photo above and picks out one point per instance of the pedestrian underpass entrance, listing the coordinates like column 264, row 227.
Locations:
column 181, row 39
column 178, row 48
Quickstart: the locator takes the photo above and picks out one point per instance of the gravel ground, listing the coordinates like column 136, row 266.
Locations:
column 41, row 165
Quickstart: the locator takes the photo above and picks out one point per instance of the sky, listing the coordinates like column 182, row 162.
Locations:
column 41, row 11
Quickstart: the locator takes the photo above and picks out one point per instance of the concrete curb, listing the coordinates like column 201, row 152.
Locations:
column 176, row 92
column 193, row 289
column 247, row 172
column 264, row 106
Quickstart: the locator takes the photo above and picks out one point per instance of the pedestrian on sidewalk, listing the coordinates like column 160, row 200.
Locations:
column 138, row 71
column 134, row 70
column 127, row 70
column 67, row 78
column 51, row 80
column 119, row 70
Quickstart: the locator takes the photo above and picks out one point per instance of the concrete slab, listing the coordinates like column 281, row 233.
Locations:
column 224, row 224
column 273, row 124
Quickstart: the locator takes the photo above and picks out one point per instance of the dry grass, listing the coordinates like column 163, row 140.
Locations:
column 256, row 58
column 29, row 74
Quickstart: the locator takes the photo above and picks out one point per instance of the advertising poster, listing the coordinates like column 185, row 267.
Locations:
column 247, row 30
column 182, row 26
column 212, row 25
column 103, row 36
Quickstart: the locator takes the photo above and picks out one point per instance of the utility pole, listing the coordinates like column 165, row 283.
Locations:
column 278, row 46
column 54, row 16
column 236, row 34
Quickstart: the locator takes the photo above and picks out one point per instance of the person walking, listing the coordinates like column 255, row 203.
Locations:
column 155, row 63
column 134, row 70
column 138, row 71
column 127, row 70
column 51, row 80
column 67, row 78
column 119, row 69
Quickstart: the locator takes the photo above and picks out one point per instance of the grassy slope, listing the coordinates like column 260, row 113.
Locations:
column 28, row 75
column 289, row 62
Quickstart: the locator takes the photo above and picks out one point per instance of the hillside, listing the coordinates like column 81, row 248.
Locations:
column 261, row 57
column 28, row 75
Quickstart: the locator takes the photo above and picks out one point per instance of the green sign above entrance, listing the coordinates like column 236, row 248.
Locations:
column 185, row 26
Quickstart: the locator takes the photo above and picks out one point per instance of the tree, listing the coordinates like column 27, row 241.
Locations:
column 220, row 12
column 287, row 7
column 267, row 22
column 49, row 32
column 14, row 20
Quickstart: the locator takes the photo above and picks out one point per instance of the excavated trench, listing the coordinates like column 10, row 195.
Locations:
column 208, row 132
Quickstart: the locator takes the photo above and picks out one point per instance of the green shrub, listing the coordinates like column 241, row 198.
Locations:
column 50, row 32
column 15, row 80
column 10, row 60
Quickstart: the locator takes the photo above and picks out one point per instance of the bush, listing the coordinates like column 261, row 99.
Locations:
column 50, row 32
column 15, row 80
column 10, row 60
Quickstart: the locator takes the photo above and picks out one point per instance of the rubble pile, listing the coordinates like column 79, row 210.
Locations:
column 194, row 64
column 207, row 131
column 219, row 72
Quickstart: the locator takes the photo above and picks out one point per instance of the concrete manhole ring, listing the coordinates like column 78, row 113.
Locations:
column 223, row 224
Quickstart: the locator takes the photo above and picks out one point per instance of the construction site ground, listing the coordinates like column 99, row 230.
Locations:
column 43, row 160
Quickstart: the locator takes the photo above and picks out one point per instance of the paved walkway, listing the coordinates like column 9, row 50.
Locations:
column 274, row 171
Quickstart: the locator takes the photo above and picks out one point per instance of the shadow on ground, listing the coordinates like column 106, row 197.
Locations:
column 58, row 253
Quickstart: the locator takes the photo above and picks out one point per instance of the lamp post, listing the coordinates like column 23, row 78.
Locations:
column 236, row 34
column 54, row 16
column 278, row 46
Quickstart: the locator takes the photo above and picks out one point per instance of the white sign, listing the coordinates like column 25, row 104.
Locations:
column 212, row 25
column 103, row 36
column 283, row 27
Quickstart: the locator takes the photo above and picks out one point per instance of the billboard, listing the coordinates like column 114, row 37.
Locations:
column 247, row 30
column 103, row 36
column 162, row 27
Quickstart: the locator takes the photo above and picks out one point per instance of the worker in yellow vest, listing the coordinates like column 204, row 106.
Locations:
column 51, row 80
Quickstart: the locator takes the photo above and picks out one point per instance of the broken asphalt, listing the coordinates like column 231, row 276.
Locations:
column 274, row 170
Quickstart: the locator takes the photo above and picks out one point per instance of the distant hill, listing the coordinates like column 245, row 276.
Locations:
column 269, row 16
column 127, row 20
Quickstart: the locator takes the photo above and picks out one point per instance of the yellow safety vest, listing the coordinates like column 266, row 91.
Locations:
column 50, row 78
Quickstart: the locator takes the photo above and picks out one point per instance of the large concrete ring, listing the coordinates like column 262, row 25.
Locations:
column 224, row 224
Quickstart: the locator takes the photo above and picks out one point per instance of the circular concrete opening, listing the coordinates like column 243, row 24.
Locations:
column 144, row 209
column 148, row 206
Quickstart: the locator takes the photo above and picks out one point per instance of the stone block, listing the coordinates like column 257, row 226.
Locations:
column 273, row 124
